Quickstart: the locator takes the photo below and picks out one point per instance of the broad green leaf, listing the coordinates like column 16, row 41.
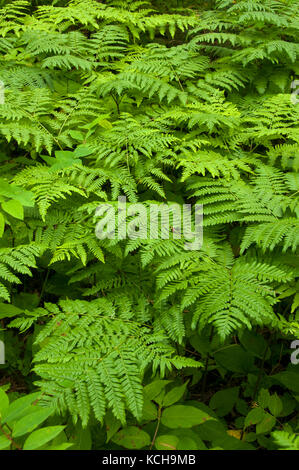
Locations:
column 250, row 436
column 191, row 434
column 82, row 151
column 26, row 198
column 166, row 442
column 29, row 422
column 264, row 398
column 41, row 436
column 211, row 430
column 76, row 135
column 289, row 379
column 19, row 408
column 101, row 121
column 4, row 402
column 12, row 191
column 254, row 416
column 149, row 411
column 275, row 405
column 267, row 423
column 224, row 400
column 181, row 416
column 13, row 208
column 174, row 395
column 153, row 389
column 254, row 343
column 227, row 442
column 63, row 446
column 63, row 159
column 132, row 438
column 235, row 359
column 6, row 188
column 187, row 443
column 112, row 424
column 2, row 224
column 288, row 403
column 82, row 438
column 4, row 442
column 9, row 310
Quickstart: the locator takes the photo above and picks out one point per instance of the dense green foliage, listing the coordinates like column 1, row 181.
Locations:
column 139, row 343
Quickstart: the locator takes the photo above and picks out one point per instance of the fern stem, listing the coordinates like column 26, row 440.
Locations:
column 117, row 104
